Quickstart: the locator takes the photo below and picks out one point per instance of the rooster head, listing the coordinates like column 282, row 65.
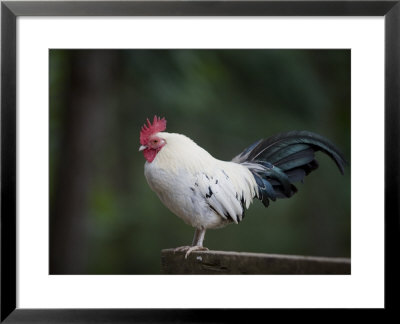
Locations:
column 150, row 142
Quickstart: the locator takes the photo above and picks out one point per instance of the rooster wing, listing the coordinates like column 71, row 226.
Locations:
column 221, row 195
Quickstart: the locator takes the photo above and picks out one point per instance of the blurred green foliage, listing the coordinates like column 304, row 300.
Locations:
column 224, row 100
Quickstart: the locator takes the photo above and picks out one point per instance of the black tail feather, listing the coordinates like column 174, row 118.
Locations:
column 286, row 158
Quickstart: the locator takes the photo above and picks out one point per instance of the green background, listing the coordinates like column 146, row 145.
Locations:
column 104, row 219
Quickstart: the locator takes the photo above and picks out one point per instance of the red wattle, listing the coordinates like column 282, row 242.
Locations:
column 149, row 154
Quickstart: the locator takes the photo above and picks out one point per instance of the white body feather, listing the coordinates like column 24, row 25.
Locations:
column 205, row 192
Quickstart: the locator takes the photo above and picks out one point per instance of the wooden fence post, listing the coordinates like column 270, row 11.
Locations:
column 223, row 262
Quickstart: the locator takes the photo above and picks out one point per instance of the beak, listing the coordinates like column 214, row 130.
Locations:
column 142, row 147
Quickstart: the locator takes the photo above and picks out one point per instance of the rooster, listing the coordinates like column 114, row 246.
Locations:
column 210, row 193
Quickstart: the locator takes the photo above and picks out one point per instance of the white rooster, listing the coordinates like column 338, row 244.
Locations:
column 209, row 193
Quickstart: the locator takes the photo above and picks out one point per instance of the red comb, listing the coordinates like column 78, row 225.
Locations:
column 159, row 125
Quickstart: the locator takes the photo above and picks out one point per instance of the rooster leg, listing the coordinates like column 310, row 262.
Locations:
column 198, row 237
column 197, row 244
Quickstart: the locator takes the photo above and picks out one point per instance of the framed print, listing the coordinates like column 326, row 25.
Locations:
column 81, row 230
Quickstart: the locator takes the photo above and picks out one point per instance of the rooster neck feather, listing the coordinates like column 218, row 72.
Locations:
column 182, row 152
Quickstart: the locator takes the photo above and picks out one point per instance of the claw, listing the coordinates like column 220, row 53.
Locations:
column 190, row 249
column 195, row 248
column 182, row 248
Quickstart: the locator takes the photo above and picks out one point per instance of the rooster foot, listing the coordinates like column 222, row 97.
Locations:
column 190, row 249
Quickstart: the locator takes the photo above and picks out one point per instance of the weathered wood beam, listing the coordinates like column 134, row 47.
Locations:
column 223, row 262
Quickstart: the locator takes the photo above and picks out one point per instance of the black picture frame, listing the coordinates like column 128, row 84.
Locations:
column 10, row 10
